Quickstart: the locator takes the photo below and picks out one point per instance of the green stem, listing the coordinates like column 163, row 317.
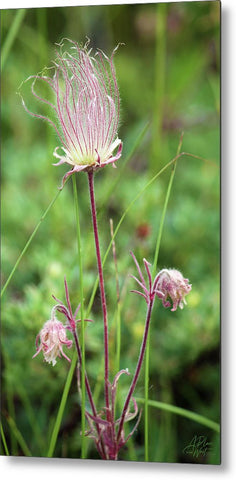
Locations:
column 82, row 343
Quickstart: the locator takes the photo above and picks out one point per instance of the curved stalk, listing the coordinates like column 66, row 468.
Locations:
column 89, row 393
column 138, row 367
column 102, row 288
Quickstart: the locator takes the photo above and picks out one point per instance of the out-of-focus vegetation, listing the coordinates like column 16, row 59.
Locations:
column 168, row 74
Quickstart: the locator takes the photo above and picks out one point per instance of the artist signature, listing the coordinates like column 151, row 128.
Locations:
column 198, row 446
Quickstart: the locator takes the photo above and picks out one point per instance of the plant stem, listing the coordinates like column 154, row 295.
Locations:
column 138, row 367
column 102, row 289
column 146, row 388
column 86, row 378
column 89, row 393
column 137, row 196
column 82, row 359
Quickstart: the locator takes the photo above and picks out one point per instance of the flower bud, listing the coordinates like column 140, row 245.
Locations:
column 171, row 285
column 53, row 338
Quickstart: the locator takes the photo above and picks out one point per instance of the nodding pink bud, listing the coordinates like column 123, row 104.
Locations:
column 170, row 284
column 53, row 338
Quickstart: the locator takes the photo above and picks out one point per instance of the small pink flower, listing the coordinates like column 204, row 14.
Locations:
column 170, row 284
column 85, row 110
column 53, row 338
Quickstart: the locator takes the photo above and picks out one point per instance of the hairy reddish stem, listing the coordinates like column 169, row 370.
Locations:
column 102, row 289
column 138, row 367
column 89, row 393
column 86, row 378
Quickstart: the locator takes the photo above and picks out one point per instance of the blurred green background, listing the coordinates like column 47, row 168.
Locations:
column 168, row 73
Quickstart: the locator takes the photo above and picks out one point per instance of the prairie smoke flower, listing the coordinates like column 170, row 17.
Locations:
column 53, row 338
column 85, row 108
column 170, row 284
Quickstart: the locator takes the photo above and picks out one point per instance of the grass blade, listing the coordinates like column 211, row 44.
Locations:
column 183, row 412
column 4, row 441
column 160, row 230
column 18, row 436
column 29, row 242
column 12, row 35
column 154, row 267
column 82, row 366
column 118, row 309
column 33, row 421
column 57, row 424
column 135, row 146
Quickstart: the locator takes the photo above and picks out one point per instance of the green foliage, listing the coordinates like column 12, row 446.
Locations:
column 184, row 345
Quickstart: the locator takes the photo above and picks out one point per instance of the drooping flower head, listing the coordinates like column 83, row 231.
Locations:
column 52, row 339
column 171, row 285
column 85, row 107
